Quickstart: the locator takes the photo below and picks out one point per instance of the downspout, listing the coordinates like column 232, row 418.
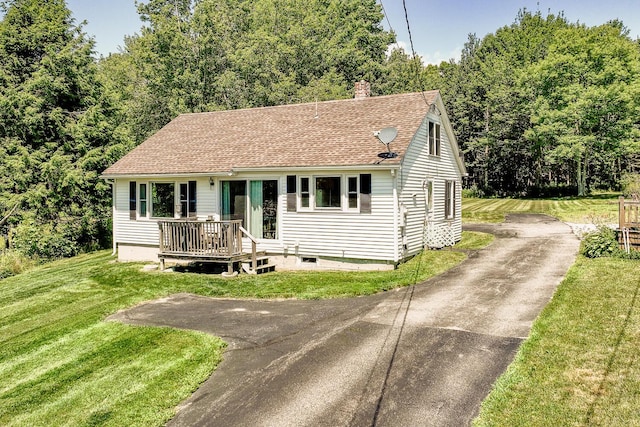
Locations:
column 396, row 212
column 113, row 215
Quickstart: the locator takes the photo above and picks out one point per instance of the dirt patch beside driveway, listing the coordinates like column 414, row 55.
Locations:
column 423, row 355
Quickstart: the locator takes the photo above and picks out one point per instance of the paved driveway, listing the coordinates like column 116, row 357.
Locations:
column 419, row 356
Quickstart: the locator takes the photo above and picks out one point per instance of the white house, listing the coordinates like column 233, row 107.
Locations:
column 307, row 185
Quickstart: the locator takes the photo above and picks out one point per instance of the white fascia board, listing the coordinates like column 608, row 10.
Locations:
column 324, row 168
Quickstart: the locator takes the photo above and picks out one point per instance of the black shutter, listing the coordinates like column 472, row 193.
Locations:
column 453, row 199
column 132, row 200
column 291, row 193
column 365, row 193
column 192, row 199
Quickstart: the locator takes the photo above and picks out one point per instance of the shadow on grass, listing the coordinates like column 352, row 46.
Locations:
column 612, row 358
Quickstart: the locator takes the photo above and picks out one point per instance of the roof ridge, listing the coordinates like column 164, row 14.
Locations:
column 302, row 104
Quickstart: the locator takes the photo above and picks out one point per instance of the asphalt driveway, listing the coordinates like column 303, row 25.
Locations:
column 424, row 355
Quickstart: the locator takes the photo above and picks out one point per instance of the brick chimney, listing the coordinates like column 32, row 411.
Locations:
column 363, row 89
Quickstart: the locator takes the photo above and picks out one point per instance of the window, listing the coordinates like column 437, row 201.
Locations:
column 188, row 200
column 142, row 196
column 305, row 194
column 428, row 195
column 263, row 208
column 328, row 192
column 352, row 192
column 434, row 139
column 162, row 199
column 450, row 200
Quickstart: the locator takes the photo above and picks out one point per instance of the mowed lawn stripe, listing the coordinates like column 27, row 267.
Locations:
column 45, row 326
column 601, row 209
column 142, row 360
column 41, row 280
column 28, row 366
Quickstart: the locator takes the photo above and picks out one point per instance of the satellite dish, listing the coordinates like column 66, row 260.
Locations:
column 386, row 136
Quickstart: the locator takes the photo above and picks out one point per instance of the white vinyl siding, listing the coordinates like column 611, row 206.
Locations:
column 144, row 231
column 344, row 234
column 419, row 168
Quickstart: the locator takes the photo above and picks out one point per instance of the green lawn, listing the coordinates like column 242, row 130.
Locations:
column 579, row 366
column 597, row 209
column 62, row 364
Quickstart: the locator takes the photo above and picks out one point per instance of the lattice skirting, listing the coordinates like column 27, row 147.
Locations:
column 439, row 235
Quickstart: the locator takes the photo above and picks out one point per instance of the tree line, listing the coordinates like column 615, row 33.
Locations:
column 541, row 103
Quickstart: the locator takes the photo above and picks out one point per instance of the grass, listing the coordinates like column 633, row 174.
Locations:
column 61, row 363
column 473, row 240
column 580, row 363
column 596, row 209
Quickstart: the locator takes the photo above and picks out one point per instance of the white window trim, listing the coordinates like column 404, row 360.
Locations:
column 437, row 143
column 310, row 193
column 346, row 193
column 150, row 198
column 139, row 200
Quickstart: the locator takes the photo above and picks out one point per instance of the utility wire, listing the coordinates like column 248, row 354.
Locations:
column 384, row 12
column 413, row 54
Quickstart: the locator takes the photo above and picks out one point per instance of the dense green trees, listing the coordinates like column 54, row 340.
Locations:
column 56, row 132
column 544, row 102
column 541, row 102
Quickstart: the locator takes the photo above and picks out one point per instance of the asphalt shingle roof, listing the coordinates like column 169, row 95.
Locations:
column 341, row 134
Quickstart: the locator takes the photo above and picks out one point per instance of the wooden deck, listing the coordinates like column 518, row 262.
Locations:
column 629, row 223
column 205, row 241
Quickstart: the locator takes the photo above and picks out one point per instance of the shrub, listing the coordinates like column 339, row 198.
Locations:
column 602, row 242
column 630, row 183
column 43, row 241
column 13, row 262
column 473, row 191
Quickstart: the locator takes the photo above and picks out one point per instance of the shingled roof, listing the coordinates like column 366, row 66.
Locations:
column 332, row 133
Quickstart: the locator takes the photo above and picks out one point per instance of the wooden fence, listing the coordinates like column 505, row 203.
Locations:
column 629, row 223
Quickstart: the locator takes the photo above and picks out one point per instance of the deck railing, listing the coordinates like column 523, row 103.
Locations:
column 629, row 211
column 629, row 223
column 211, row 239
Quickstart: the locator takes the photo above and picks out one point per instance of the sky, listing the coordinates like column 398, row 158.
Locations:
column 439, row 28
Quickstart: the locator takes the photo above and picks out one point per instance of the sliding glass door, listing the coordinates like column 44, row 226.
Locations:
column 259, row 205
column 234, row 201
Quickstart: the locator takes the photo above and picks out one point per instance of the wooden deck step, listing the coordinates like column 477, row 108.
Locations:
column 263, row 265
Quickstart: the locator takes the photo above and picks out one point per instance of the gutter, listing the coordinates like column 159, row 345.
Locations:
column 236, row 170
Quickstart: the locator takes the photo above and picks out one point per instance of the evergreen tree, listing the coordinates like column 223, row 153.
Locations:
column 55, row 133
